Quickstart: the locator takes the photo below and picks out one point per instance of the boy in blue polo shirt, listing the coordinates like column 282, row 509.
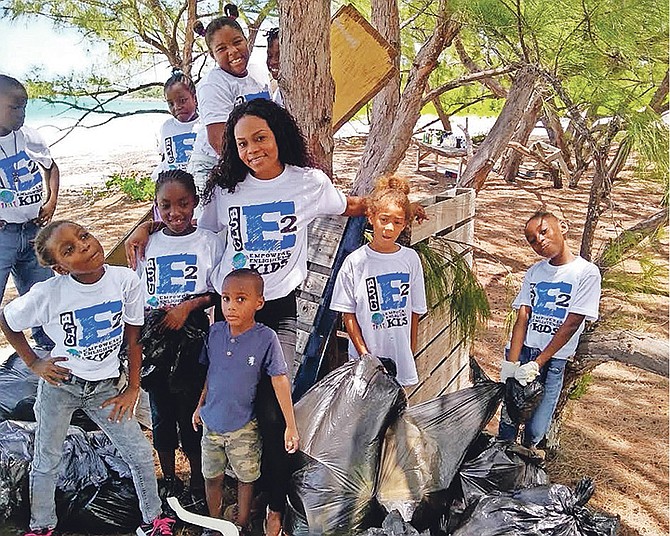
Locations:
column 237, row 353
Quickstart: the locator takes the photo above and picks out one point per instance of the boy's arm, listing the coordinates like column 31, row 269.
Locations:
column 560, row 338
column 196, row 421
column 519, row 333
column 282, row 388
column 48, row 208
column 414, row 331
column 355, row 333
column 44, row 368
column 124, row 403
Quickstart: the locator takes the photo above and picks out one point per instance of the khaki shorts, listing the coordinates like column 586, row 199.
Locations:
column 241, row 448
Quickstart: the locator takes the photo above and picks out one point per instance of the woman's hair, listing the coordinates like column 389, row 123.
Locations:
column 390, row 189
column 178, row 77
column 44, row 255
column 217, row 24
column 291, row 144
column 176, row 175
column 271, row 35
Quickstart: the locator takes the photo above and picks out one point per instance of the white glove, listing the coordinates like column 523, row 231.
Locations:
column 527, row 373
column 507, row 370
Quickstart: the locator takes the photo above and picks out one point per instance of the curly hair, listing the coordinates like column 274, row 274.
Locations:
column 390, row 189
column 292, row 146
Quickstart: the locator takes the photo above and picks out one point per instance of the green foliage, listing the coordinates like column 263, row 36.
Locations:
column 451, row 282
column 135, row 187
column 652, row 279
column 581, row 386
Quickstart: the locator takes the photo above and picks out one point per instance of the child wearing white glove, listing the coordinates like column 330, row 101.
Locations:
column 557, row 295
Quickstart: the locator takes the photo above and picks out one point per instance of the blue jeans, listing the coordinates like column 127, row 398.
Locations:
column 17, row 257
column 53, row 409
column 551, row 376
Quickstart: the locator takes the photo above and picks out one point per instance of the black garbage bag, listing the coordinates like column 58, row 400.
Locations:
column 16, row 452
column 521, row 401
column 107, row 451
column 541, row 511
column 171, row 356
column 394, row 525
column 425, row 446
column 18, row 390
column 342, row 420
column 110, row 508
column 499, row 466
column 82, row 464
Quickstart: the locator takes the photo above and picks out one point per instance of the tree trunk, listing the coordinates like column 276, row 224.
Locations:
column 635, row 349
column 556, row 134
column 471, row 66
column 305, row 80
column 660, row 96
column 496, row 141
column 521, row 135
column 189, row 37
column 386, row 19
column 442, row 114
column 408, row 110
column 617, row 247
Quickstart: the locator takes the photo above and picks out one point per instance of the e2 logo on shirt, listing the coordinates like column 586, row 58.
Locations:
column 172, row 274
column 551, row 299
column 98, row 323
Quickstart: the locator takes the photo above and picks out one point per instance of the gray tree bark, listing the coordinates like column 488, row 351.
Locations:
column 521, row 134
column 385, row 18
column 497, row 139
column 406, row 114
column 305, row 80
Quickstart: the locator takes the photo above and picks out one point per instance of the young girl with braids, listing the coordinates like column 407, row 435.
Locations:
column 177, row 134
column 379, row 288
column 176, row 278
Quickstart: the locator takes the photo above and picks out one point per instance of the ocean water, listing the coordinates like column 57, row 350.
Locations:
column 97, row 134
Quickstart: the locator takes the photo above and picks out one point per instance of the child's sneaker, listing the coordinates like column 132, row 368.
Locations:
column 41, row 532
column 161, row 526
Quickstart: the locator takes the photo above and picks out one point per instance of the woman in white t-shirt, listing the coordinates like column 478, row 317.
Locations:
column 380, row 288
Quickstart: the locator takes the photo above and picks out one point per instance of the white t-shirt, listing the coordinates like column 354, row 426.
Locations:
column 554, row 291
column 21, row 181
column 383, row 290
column 175, row 144
column 85, row 322
column 218, row 93
column 176, row 267
column 266, row 224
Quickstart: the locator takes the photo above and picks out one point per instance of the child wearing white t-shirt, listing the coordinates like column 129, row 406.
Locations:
column 87, row 310
column 226, row 85
column 29, row 180
column 557, row 295
column 177, row 134
column 380, row 289
column 176, row 277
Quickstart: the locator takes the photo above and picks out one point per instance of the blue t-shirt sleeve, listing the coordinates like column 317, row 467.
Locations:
column 274, row 362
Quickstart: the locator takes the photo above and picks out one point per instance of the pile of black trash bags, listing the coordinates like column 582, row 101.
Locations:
column 369, row 465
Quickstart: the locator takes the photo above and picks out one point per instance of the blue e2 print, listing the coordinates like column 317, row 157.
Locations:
column 99, row 322
column 394, row 289
column 176, row 273
column 551, row 299
column 258, row 226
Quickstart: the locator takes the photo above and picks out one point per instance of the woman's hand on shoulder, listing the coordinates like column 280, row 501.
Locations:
column 136, row 243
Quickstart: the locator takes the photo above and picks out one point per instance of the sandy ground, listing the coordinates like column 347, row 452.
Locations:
column 617, row 432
